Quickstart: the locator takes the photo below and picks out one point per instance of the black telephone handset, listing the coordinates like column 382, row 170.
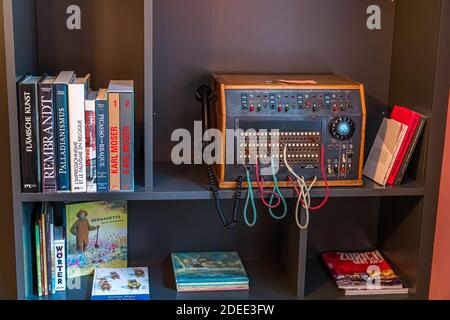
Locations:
column 205, row 96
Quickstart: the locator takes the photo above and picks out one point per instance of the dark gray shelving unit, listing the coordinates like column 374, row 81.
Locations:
column 170, row 47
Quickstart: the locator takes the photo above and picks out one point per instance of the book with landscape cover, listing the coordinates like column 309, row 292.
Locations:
column 28, row 97
column 363, row 273
column 121, row 284
column 209, row 271
column 96, row 237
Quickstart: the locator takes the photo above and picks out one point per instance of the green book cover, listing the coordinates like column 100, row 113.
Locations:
column 38, row 259
column 96, row 237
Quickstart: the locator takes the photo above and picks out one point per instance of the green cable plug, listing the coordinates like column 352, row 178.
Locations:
column 277, row 190
column 250, row 196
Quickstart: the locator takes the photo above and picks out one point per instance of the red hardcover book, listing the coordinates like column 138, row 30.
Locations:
column 412, row 120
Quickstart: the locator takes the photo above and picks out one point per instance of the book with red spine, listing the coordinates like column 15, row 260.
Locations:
column 412, row 120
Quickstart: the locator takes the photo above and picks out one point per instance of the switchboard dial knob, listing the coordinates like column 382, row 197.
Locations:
column 343, row 128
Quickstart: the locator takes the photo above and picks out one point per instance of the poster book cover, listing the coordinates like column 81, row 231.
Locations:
column 364, row 272
column 96, row 236
column 121, row 284
column 209, row 270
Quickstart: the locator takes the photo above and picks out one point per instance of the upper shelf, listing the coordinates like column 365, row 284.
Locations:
column 190, row 183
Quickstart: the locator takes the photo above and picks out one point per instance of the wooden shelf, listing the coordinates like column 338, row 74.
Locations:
column 267, row 283
column 190, row 183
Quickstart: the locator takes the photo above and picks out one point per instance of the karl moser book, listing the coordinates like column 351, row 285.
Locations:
column 96, row 237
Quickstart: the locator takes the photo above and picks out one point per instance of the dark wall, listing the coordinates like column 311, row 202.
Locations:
column 196, row 37
column 7, row 261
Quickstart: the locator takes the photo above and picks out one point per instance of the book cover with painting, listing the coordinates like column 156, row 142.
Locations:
column 96, row 236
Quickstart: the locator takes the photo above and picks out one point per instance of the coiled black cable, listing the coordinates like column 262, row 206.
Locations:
column 218, row 202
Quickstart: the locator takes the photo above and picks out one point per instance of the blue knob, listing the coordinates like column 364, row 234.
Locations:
column 344, row 128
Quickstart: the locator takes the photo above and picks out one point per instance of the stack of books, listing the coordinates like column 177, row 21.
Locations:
column 394, row 146
column 210, row 271
column 363, row 273
column 74, row 139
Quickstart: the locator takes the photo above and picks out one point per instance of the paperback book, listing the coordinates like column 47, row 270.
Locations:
column 96, row 237
column 363, row 273
column 121, row 284
column 209, row 271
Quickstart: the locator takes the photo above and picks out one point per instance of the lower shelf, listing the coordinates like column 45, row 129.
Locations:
column 268, row 282
column 320, row 286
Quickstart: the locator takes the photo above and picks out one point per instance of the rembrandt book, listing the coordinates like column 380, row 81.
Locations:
column 96, row 237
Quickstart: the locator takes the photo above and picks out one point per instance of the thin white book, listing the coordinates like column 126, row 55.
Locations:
column 385, row 150
column 77, row 96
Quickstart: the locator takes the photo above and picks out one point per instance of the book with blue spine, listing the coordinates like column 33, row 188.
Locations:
column 209, row 271
column 102, row 141
column 62, row 126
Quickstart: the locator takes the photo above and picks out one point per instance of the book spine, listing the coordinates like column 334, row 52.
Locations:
column 29, row 138
column 102, row 146
column 410, row 152
column 38, row 259
column 60, row 267
column 44, row 255
column 48, row 247
column 62, row 126
column 126, row 142
column 52, row 248
column 47, row 133
column 114, row 141
column 396, row 151
column 41, row 251
column 412, row 127
column 77, row 138
column 91, row 148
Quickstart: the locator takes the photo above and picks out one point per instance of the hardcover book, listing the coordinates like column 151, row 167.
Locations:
column 127, row 138
column 363, row 273
column 114, row 141
column 384, row 151
column 47, row 135
column 102, row 141
column 96, row 237
column 121, row 284
column 28, row 98
column 62, row 128
column 415, row 123
column 209, row 271
column 77, row 95
column 60, row 259
column 91, row 144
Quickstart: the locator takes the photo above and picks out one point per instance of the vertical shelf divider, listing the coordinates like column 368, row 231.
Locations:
column 148, row 92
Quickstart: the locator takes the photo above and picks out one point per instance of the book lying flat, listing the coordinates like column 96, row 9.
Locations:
column 363, row 273
column 121, row 284
column 213, row 271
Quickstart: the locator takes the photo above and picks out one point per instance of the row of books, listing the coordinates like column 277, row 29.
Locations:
column 394, row 146
column 74, row 139
column 363, row 273
column 49, row 245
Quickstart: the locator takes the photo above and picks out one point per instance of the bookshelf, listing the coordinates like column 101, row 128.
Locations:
column 172, row 47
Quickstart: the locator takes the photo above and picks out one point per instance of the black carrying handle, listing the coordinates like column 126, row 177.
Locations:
column 205, row 96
